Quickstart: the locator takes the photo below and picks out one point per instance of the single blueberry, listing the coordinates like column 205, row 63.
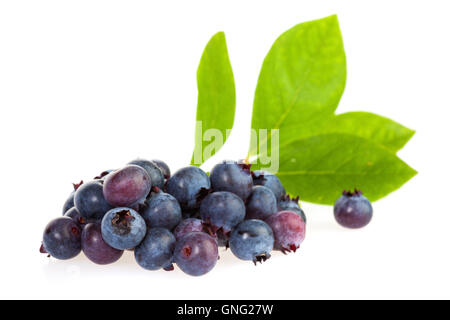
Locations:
column 188, row 225
column 62, row 238
column 196, row 253
column 353, row 210
column 222, row 211
column 156, row 250
column 162, row 210
column 252, row 240
column 90, row 201
column 288, row 230
column 123, row 228
column 232, row 177
column 95, row 248
column 261, row 203
column 163, row 166
column 188, row 185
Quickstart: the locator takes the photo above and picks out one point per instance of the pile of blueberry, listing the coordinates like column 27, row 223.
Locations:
column 184, row 218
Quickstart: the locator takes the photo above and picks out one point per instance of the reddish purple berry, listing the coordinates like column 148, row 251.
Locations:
column 196, row 253
column 95, row 248
column 127, row 186
column 288, row 230
column 353, row 210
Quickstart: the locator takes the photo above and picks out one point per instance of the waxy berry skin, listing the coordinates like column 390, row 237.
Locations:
column 90, row 201
column 291, row 204
column 62, row 238
column 196, row 253
column 127, row 187
column 269, row 180
column 155, row 173
column 232, row 177
column 252, row 240
column 123, row 228
column 353, row 210
column 75, row 215
column 156, row 250
column 222, row 210
column 188, row 225
column 95, row 248
column 162, row 210
column 188, row 185
column 261, row 203
column 288, row 230
column 69, row 204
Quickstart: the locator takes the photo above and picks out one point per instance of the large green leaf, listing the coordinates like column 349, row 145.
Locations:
column 378, row 129
column 301, row 81
column 319, row 168
column 216, row 98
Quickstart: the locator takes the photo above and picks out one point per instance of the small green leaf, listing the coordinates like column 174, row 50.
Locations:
column 378, row 129
column 319, row 168
column 301, row 81
column 216, row 99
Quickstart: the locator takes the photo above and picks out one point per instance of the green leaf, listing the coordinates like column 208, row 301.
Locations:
column 319, row 168
column 301, row 81
column 378, row 129
column 216, row 99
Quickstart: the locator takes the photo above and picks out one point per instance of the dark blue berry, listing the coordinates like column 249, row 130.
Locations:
column 196, row 253
column 127, row 187
column 155, row 173
column 156, row 250
column 269, row 180
column 163, row 166
column 90, row 201
column 288, row 230
column 162, row 210
column 261, row 203
column 222, row 211
column 188, row 225
column 353, row 210
column 95, row 248
column 232, row 177
column 188, row 185
column 291, row 204
column 123, row 228
column 62, row 238
column 252, row 240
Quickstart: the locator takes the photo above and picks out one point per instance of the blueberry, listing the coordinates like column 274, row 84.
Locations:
column 162, row 210
column 222, row 211
column 252, row 240
column 155, row 173
column 269, row 180
column 90, row 201
column 186, row 226
column 353, row 210
column 288, row 230
column 156, row 250
column 196, row 253
column 69, row 204
column 123, row 228
column 232, row 177
column 188, row 185
column 261, row 203
column 164, row 168
column 127, row 187
column 75, row 215
column 95, row 248
column 62, row 238
column 291, row 204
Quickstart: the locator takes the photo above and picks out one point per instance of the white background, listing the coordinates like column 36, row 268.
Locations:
column 90, row 85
